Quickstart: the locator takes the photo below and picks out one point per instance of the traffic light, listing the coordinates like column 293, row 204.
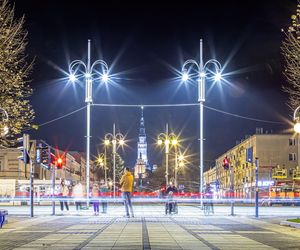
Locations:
column 43, row 156
column 24, row 148
column 226, row 163
column 59, row 163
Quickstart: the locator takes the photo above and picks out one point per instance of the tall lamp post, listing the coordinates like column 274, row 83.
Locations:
column 168, row 140
column 114, row 139
column 202, row 69
column 89, row 73
column 297, row 130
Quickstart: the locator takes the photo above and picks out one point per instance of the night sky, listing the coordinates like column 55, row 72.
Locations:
column 146, row 43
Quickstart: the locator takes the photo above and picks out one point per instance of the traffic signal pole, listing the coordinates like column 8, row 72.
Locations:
column 53, row 188
column 25, row 157
column 31, row 188
column 232, row 190
column 256, row 187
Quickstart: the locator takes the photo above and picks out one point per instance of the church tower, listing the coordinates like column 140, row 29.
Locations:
column 142, row 165
column 142, row 142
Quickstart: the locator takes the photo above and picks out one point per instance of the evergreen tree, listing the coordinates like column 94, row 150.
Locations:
column 99, row 171
column 14, row 72
column 291, row 52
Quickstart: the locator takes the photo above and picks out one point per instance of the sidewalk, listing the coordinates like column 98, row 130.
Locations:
column 144, row 232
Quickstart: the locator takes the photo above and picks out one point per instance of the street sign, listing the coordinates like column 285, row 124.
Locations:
column 45, row 166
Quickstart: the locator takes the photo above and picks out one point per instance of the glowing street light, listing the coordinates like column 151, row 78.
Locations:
column 105, row 78
column 89, row 70
column 168, row 140
column 185, row 76
column 72, row 78
column 218, row 77
column 106, row 142
column 114, row 139
column 202, row 70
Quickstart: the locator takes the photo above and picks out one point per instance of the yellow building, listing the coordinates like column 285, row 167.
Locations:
column 272, row 150
column 210, row 176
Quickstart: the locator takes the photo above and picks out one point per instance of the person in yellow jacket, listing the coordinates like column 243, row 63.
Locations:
column 126, row 183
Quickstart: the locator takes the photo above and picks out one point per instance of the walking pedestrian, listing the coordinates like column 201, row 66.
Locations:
column 126, row 183
column 95, row 198
column 64, row 193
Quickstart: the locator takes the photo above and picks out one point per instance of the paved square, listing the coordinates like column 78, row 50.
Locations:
column 186, row 231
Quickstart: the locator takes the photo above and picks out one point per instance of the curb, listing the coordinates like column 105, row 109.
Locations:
column 289, row 223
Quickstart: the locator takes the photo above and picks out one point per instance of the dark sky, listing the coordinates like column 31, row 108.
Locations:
column 144, row 41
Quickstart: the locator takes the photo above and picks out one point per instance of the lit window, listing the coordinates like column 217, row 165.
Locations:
column 292, row 142
column 292, row 157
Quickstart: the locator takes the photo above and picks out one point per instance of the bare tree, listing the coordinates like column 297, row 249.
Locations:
column 291, row 52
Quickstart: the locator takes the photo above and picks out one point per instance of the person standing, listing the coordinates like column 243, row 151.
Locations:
column 95, row 198
column 171, row 204
column 64, row 191
column 171, row 188
column 78, row 195
column 126, row 183
column 209, row 196
column 104, row 193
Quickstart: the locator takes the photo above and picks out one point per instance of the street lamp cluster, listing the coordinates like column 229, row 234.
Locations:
column 116, row 139
column 89, row 73
column 202, row 72
column 167, row 140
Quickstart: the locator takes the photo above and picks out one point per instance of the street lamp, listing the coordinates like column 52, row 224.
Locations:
column 202, row 70
column 4, row 128
column 178, row 163
column 297, row 130
column 168, row 140
column 114, row 139
column 89, row 74
column 101, row 161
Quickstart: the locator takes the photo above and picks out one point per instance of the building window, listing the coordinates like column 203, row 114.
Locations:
column 292, row 157
column 292, row 142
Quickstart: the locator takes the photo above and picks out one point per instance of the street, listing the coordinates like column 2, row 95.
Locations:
column 150, row 229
